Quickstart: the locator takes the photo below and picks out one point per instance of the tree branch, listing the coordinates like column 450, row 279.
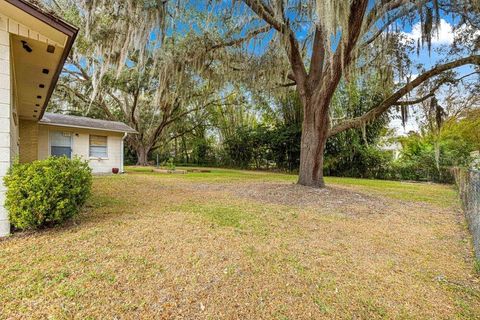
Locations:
column 285, row 85
column 382, row 7
column 265, row 13
column 384, row 27
column 416, row 101
column 317, row 59
column 392, row 100
column 252, row 34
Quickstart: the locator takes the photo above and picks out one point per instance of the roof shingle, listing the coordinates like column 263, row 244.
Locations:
column 84, row 122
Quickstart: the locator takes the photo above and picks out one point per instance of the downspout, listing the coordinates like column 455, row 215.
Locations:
column 122, row 153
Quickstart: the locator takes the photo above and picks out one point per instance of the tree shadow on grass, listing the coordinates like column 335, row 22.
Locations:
column 97, row 209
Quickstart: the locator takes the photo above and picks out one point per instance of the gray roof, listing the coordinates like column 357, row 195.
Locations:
column 63, row 120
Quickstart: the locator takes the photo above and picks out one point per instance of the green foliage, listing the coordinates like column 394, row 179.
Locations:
column 364, row 162
column 240, row 146
column 46, row 192
column 467, row 129
column 130, row 157
column 419, row 162
column 201, row 151
column 285, row 138
column 169, row 164
column 263, row 147
column 284, row 143
column 353, row 153
column 430, row 155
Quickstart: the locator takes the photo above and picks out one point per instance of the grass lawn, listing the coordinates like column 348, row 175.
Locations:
column 246, row 245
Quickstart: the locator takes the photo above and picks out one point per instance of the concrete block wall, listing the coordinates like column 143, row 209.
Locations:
column 5, row 123
column 28, row 141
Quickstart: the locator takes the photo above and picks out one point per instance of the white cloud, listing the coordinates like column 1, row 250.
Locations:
column 410, row 125
column 443, row 35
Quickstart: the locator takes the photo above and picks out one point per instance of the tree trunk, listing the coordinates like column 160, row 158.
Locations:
column 176, row 149
column 314, row 138
column 185, row 151
column 142, row 155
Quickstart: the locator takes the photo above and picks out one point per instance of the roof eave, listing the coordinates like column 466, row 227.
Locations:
column 55, row 22
column 86, row 127
column 69, row 30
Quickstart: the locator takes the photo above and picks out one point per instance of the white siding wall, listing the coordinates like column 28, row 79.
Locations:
column 81, row 147
column 113, row 160
column 5, row 125
column 14, row 121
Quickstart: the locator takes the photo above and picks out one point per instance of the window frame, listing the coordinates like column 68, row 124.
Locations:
column 90, row 146
column 50, row 144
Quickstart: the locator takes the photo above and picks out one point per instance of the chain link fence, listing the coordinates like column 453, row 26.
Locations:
column 468, row 182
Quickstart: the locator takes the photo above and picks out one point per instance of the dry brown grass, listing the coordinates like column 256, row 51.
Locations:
column 155, row 246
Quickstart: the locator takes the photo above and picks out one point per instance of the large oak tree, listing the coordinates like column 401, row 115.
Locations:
column 325, row 41
column 146, row 63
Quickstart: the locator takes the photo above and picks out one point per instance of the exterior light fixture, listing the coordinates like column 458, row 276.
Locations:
column 26, row 46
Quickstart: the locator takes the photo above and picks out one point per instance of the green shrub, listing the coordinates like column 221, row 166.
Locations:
column 169, row 164
column 360, row 162
column 46, row 192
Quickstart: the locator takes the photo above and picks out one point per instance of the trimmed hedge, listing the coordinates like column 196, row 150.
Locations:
column 46, row 192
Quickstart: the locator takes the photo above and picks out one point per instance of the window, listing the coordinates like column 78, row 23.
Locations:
column 60, row 144
column 98, row 147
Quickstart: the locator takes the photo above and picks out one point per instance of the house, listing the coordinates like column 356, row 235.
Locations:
column 391, row 145
column 100, row 142
column 34, row 46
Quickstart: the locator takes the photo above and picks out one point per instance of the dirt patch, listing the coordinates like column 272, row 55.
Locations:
column 331, row 198
column 297, row 195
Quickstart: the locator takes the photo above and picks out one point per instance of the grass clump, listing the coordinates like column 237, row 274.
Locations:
column 236, row 216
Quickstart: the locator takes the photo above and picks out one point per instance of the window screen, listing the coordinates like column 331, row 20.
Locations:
column 98, row 146
column 60, row 144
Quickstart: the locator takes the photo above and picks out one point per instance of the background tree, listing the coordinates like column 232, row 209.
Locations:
column 355, row 153
column 449, row 132
column 145, row 63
